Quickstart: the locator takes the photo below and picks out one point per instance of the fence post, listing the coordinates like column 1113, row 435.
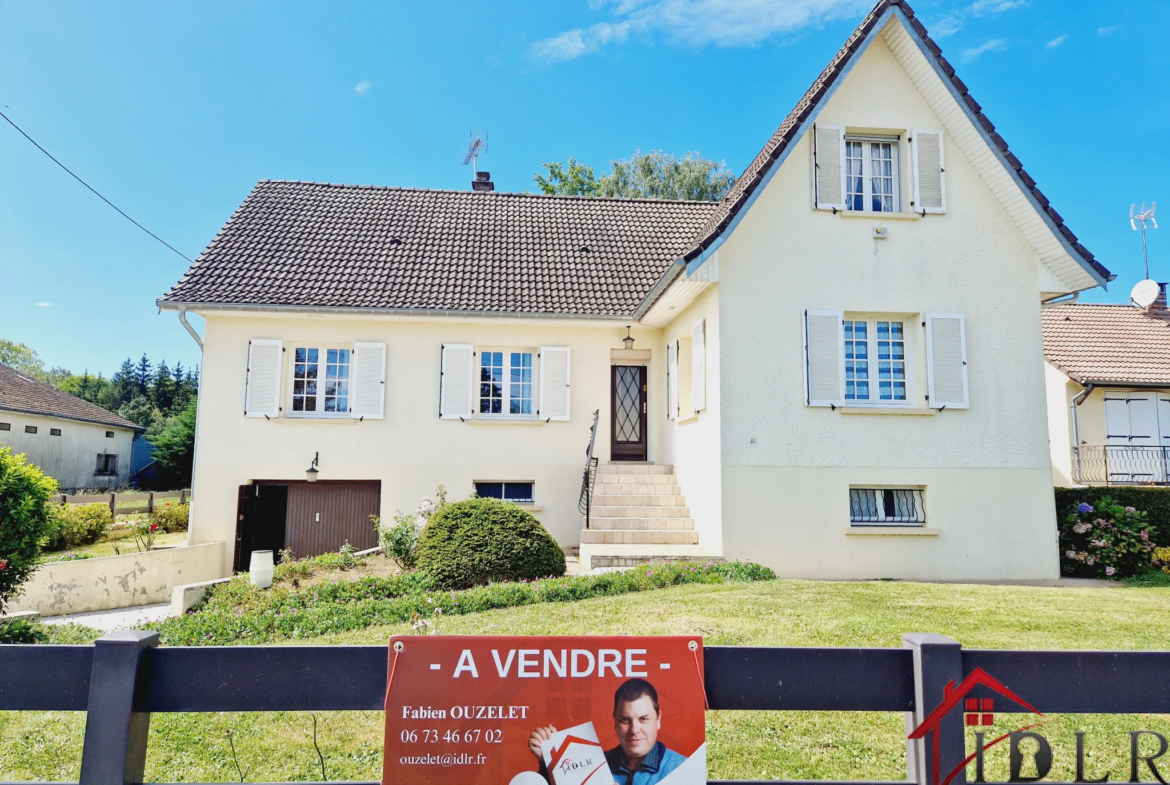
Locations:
column 183, row 496
column 938, row 661
column 150, row 503
column 114, row 752
column 113, row 507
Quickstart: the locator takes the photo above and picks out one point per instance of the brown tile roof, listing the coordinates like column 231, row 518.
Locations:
column 1108, row 343
column 19, row 393
column 751, row 178
column 317, row 244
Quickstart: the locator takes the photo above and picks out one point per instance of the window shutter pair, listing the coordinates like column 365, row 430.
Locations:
column 824, row 359
column 457, row 382
column 928, row 171
column 263, row 387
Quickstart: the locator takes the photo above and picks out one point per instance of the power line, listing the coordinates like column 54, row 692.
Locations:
column 91, row 188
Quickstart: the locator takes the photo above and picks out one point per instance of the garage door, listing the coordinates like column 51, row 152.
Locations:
column 322, row 516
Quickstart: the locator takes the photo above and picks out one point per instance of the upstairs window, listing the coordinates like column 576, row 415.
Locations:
column 321, row 380
column 875, row 361
column 505, row 383
column 871, row 175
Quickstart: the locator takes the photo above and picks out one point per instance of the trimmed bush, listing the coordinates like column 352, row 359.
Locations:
column 1105, row 540
column 478, row 541
column 24, row 520
column 171, row 517
column 1155, row 502
column 77, row 525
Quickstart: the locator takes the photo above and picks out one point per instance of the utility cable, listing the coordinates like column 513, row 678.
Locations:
column 91, row 188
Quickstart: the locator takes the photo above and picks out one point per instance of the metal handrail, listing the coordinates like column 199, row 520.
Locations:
column 586, row 500
column 1120, row 464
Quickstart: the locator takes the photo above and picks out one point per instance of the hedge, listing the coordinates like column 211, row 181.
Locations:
column 1153, row 501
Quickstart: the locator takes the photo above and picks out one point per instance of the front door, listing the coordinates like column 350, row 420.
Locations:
column 628, row 428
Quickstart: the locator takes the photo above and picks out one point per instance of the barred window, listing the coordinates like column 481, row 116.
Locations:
column 886, row 506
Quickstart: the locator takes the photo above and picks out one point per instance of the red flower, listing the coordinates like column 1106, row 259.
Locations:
column 154, row 527
column 3, row 564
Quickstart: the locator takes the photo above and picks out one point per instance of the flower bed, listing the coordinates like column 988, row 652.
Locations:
column 1105, row 541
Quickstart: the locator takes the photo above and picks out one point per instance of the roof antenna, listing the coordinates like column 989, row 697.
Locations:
column 477, row 146
column 1141, row 215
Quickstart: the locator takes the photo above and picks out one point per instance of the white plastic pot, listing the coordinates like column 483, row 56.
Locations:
column 261, row 569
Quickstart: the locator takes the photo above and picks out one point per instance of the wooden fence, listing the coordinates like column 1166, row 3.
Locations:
column 117, row 501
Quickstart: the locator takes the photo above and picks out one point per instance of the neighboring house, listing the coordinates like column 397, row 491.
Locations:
column 77, row 443
column 1107, row 371
column 836, row 371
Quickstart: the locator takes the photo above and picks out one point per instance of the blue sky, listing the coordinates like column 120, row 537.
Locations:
column 174, row 110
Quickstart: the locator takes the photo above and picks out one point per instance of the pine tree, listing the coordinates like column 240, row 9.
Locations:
column 142, row 375
column 162, row 389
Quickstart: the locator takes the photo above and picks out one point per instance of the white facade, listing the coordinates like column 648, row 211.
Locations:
column 69, row 450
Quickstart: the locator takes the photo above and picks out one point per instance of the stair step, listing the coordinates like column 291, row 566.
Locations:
column 613, row 489
column 640, row 512
column 624, row 500
column 606, row 537
column 642, row 524
column 636, row 479
column 634, row 468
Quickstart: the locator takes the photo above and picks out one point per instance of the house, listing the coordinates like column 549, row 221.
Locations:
column 78, row 444
column 1107, row 373
column 836, row 371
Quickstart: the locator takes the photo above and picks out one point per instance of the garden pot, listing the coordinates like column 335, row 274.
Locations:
column 261, row 569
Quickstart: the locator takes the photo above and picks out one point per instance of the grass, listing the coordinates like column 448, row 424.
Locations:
column 278, row 747
column 106, row 547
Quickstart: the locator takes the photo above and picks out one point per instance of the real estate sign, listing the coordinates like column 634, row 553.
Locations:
column 545, row 711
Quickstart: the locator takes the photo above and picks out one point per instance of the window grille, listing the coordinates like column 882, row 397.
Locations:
column 521, row 492
column 886, row 506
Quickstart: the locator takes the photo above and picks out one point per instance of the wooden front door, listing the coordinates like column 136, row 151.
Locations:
column 323, row 516
column 628, row 423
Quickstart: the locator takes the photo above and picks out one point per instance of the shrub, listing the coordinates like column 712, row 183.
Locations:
column 1106, row 540
column 21, row 631
column 172, row 517
column 72, row 526
column 477, row 541
column 399, row 541
column 24, row 520
column 1154, row 501
column 1162, row 558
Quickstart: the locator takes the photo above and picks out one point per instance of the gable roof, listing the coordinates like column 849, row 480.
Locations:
column 19, row 393
column 791, row 129
column 403, row 249
column 1119, row 344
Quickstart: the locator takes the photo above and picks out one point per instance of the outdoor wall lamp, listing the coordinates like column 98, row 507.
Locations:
column 628, row 340
column 311, row 473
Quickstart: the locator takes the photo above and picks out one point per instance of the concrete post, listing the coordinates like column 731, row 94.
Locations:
column 114, row 752
column 938, row 661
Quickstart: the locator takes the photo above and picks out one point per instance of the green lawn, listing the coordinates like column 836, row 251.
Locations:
column 111, row 546
column 278, row 747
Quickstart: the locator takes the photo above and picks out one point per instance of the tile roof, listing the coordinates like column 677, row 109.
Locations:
column 751, row 178
column 19, row 393
column 1108, row 343
column 315, row 244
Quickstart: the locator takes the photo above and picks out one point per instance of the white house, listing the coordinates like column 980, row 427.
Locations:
column 78, row 444
column 836, row 371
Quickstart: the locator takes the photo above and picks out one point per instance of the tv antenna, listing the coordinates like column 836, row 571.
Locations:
column 475, row 148
column 1139, row 215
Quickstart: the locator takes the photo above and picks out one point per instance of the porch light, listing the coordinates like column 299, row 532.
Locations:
column 311, row 473
column 628, row 340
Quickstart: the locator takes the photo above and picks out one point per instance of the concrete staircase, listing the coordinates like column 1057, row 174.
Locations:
column 638, row 504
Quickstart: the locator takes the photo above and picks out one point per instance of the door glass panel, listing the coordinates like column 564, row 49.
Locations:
column 629, row 404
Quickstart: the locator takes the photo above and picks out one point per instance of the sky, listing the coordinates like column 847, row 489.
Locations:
column 174, row 110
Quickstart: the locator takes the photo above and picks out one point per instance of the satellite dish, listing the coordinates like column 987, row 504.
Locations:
column 1144, row 293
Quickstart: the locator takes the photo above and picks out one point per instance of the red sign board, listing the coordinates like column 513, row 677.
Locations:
column 545, row 711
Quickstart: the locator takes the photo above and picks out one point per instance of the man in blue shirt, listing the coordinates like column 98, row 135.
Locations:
column 640, row 758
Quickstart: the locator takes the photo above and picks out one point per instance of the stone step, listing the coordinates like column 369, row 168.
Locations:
column 634, row 468
column 636, row 479
column 642, row 524
column 639, row 512
column 637, row 500
column 611, row 489
column 610, row 537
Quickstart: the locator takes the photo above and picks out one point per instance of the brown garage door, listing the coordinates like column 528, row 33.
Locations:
column 322, row 516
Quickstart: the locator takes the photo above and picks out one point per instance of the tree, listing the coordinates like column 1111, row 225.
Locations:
column 24, row 520
column 652, row 175
column 141, row 411
column 22, row 358
column 174, row 448
column 142, row 375
column 162, row 388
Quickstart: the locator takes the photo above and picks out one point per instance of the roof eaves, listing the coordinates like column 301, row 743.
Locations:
column 177, row 305
column 75, row 418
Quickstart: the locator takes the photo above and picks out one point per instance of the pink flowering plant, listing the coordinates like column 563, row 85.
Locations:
column 1105, row 540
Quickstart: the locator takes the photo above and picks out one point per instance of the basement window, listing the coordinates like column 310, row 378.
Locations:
column 886, row 507
column 30, row 429
column 518, row 492
column 54, row 431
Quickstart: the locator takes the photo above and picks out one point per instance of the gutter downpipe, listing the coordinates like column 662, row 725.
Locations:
column 183, row 321
column 1077, row 400
column 195, row 444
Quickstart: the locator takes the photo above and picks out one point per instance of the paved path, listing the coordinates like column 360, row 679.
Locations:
column 117, row 619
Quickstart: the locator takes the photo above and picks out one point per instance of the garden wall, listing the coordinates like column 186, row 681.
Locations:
column 1153, row 501
column 117, row 581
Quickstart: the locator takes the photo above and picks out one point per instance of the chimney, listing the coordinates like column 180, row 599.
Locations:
column 1160, row 303
column 483, row 182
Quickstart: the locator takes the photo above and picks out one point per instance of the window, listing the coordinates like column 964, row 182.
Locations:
column 109, row 434
column 5, row 426
column 54, row 431
column 875, row 350
column 107, row 465
column 519, row 492
column 871, row 175
column 321, row 380
column 30, row 429
column 886, row 506
column 505, row 383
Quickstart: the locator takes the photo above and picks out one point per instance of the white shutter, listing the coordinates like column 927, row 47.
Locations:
column 554, row 383
column 829, row 166
column 946, row 360
column 262, row 396
column 672, row 380
column 368, row 394
column 929, row 171
column 699, row 366
column 1143, row 419
column 456, row 381
column 1116, row 419
column 824, row 358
